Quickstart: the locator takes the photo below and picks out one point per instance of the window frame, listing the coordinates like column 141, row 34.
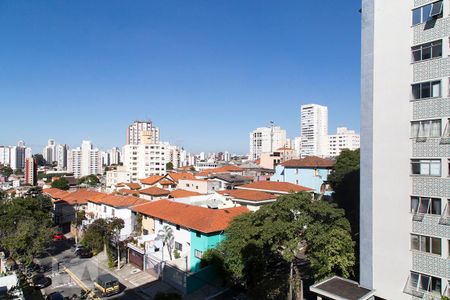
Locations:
column 430, row 163
column 420, row 48
column 426, row 244
column 427, row 7
column 424, row 84
column 429, row 202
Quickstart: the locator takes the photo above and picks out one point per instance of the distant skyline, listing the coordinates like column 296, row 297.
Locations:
column 205, row 72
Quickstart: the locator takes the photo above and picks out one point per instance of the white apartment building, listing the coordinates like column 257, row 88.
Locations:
column 18, row 154
column 142, row 132
column 85, row 160
column 144, row 160
column 113, row 177
column 61, row 156
column 266, row 140
column 343, row 139
column 49, row 151
column 314, row 130
column 173, row 155
column 113, row 156
column 405, row 149
column 5, row 155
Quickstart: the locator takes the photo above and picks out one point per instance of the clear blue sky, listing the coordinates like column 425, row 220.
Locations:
column 206, row 72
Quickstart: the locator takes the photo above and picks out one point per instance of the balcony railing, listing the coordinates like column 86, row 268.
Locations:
column 445, row 217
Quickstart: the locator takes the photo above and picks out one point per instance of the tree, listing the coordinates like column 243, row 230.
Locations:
column 80, row 216
column 115, row 225
column 169, row 166
column 61, row 184
column 168, row 240
column 260, row 249
column 6, row 171
column 90, row 180
column 26, row 226
column 40, row 161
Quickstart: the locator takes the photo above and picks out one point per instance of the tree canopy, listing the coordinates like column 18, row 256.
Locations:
column 6, row 171
column 90, row 180
column 100, row 233
column 26, row 226
column 61, row 184
column 259, row 247
column 169, row 166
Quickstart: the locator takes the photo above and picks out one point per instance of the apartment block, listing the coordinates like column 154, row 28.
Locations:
column 144, row 160
column 30, row 171
column 266, row 140
column 343, row 139
column 85, row 160
column 405, row 149
column 142, row 132
column 314, row 130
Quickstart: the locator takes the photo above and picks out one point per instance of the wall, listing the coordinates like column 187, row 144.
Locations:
column 304, row 177
column 202, row 243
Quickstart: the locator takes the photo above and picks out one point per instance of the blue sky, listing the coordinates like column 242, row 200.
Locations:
column 206, row 72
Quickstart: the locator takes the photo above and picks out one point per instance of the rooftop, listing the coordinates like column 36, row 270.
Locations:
column 248, row 195
column 182, row 194
column 309, row 162
column 274, row 187
column 117, row 201
column 151, row 180
column 341, row 289
column 177, row 176
column 154, row 191
column 224, row 169
column 198, row 218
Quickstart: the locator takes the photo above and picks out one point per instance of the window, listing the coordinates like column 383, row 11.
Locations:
column 423, row 205
column 178, row 227
column 425, row 13
column 422, row 282
column 113, row 212
column 178, row 246
column 426, row 167
column 446, row 133
column 160, row 221
column 144, row 231
column 197, row 234
column 427, row 128
column 431, row 89
column 104, row 209
column 198, row 254
column 427, row 51
column 426, row 244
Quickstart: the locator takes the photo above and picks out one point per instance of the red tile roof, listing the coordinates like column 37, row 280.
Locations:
column 151, row 180
column 166, row 182
column 178, row 176
column 274, row 187
column 224, row 169
column 248, row 195
column 128, row 192
column 133, row 185
column 182, row 194
column 154, row 191
column 117, row 201
column 81, row 196
column 54, row 193
column 198, row 218
column 309, row 162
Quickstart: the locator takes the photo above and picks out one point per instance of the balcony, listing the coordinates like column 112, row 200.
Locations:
column 445, row 217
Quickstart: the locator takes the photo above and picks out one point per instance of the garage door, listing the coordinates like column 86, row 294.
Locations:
column 136, row 259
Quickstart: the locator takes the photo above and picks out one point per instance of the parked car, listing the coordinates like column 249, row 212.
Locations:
column 55, row 296
column 40, row 281
column 58, row 236
column 84, row 253
column 107, row 285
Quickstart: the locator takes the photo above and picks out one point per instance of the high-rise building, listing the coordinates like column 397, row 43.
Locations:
column 142, row 132
column 266, row 140
column 314, row 130
column 343, row 139
column 405, row 149
column 30, row 171
column 5, row 155
column 61, row 156
column 18, row 155
column 85, row 160
column 49, row 152
column 114, row 156
column 141, row 160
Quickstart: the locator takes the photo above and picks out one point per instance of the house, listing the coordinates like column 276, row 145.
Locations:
column 225, row 169
column 161, row 181
column 194, row 230
column 230, row 181
column 272, row 159
column 311, row 171
column 201, row 186
column 275, row 187
column 153, row 193
column 110, row 206
column 179, row 193
column 252, row 200
column 65, row 204
column 176, row 176
column 128, row 192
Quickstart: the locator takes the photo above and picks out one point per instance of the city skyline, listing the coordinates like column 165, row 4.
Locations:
column 149, row 68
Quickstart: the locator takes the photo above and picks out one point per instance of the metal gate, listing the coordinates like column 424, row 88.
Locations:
column 135, row 258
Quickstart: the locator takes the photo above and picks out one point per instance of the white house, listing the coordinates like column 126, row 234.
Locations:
column 199, row 185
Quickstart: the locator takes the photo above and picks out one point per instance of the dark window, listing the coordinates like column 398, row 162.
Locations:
column 178, row 227
column 427, row 12
column 145, row 232
column 178, row 246
column 424, row 90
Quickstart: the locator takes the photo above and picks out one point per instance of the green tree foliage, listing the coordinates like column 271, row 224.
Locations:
column 25, row 226
column 90, row 180
column 41, row 162
column 61, row 184
column 6, row 171
column 101, row 232
column 260, row 247
column 169, row 166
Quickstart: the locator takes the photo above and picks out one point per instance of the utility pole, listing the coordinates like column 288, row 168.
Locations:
column 118, row 250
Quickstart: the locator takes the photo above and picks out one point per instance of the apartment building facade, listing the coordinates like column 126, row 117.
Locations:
column 343, row 139
column 85, row 160
column 144, row 160
column 266, row 140
column 142, row 132
column 314, row 130
column 405, row 149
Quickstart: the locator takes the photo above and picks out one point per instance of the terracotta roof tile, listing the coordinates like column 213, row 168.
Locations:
column 151, row 180
column 117, row 201
column 248, row 195
column 309, row 162
column 178, row 176
column 224, row 169
column 182, row 194
column 128, row 192
column 274, row 187
column 198, row 218
column 133, row 185
column 54, row 193
column 154, row 191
